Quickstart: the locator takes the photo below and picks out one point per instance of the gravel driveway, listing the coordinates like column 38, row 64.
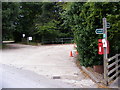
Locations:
column 51, row 61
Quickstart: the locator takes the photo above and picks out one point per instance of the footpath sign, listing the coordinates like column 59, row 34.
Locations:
column 99, row 31
column 103, row 46
column 108, row 25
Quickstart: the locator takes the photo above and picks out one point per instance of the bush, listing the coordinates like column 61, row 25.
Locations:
column 84, row 19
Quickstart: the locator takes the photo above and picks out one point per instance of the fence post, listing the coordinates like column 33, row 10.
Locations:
column 117, row 65
column 62, row 40
column 28, row 40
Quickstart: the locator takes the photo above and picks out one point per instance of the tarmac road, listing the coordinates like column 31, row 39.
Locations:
column 16, row 78
column 26, row 66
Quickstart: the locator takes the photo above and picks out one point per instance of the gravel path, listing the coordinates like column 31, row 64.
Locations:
column 50, row 61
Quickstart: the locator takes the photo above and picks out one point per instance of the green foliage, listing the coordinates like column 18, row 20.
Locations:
column 84, row 18
column 27, row 19
column 40, row 20
column 9, row 17
column 48, row 30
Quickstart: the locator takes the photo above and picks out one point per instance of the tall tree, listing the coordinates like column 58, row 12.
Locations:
column 34, row 18
column 26, row 19
column 10, row 12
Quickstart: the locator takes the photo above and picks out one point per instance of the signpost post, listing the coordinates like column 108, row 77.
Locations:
column 105, row 57
column 23, row 38
column 29, row 39
column 105, row 46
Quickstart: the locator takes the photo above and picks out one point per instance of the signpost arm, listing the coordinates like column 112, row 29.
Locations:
column 105, row 57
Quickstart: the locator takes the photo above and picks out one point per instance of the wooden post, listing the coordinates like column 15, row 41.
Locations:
column 117, row 71
column 27, row 40
column 105, row 57
column 62, row 40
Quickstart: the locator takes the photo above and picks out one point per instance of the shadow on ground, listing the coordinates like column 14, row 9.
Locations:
column 12, row 46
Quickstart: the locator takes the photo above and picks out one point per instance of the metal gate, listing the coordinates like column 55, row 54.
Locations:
column 113, row 68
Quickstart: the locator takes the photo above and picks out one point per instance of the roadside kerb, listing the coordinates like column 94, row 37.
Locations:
column 90, row 74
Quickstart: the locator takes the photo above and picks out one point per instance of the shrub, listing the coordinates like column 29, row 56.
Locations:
column 84, row 18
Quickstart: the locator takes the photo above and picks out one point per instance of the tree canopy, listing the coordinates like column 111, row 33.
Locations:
column 38, row 19
column 9, row 17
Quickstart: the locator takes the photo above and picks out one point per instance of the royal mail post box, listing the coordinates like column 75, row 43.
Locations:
column 101, row 48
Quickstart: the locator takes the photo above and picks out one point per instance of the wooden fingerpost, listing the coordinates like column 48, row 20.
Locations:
column 105, row 57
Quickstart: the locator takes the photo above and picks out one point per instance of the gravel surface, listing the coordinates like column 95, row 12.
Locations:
column 50, row 61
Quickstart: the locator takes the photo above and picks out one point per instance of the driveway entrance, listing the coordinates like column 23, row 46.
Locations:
column 50, row 61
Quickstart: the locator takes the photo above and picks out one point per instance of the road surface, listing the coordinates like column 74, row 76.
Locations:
column 16, row 78
column 47, row 66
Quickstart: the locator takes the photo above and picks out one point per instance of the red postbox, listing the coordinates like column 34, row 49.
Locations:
column 101, row 48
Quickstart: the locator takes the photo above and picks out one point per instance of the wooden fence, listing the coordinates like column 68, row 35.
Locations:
column 113, row 68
